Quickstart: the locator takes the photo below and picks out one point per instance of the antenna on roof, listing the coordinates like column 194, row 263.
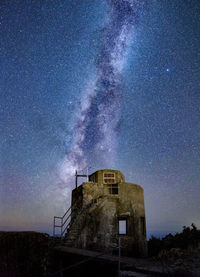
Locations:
column 83, row 175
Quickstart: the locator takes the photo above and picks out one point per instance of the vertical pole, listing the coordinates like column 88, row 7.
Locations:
column 119, row 248
column 87, row 175
column 61, row 272
column 76, row 182
column 61, row 226
column 54, row 226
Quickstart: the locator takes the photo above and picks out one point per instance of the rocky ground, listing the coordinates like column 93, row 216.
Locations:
column 31, row 254
column 23, row 254
column 180, row 262
column 174, row 262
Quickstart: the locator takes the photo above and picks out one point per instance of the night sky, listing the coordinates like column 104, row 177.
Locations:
column 106, row 83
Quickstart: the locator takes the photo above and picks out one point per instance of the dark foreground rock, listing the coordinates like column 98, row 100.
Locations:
column 23, row 254
column 180, row 262
column 31, row 254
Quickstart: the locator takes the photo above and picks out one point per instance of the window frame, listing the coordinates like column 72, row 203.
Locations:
column 109, row 178
column 112, row 188
column 126, row 224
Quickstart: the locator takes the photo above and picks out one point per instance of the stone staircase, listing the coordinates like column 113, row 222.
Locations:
column 71, row 225
column 76, row 225
column 71, row 237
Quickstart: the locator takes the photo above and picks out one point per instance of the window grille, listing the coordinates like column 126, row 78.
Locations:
column 109, row 178
column 113, row 189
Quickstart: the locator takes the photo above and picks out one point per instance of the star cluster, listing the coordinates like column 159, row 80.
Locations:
column 113, row 84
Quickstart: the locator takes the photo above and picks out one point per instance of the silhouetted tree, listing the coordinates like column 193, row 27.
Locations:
column 189, row 237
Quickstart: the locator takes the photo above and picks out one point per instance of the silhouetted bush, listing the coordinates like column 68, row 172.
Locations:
column 155, row 245
column 189, row 237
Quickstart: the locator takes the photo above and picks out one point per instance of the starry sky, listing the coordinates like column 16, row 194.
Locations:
column 110, row 84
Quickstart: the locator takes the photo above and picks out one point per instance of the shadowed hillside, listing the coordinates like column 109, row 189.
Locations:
column 23, row 254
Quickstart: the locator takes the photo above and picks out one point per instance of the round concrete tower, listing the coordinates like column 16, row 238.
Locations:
column 106, row 208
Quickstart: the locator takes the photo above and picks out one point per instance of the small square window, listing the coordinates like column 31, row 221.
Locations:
column 122, row 227
column 109, row 178
column 113, row 188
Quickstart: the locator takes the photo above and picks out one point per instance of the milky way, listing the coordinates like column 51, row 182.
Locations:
column 97, row 123
column 111, row 84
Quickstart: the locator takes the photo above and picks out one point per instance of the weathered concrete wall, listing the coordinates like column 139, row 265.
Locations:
column 99, row 211
column 98, row 176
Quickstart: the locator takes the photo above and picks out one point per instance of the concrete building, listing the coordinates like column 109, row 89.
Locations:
column 105, row 208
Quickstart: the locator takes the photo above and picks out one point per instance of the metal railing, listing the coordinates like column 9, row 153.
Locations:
column 63, row 224
column 65, row 220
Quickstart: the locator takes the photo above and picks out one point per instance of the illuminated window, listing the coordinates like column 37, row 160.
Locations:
column 109, row 178
column 122, row 226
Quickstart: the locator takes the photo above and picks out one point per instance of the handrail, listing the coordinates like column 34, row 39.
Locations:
column 66, row 227
column 62, row 222
column 66, row 212
column 64, row 219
